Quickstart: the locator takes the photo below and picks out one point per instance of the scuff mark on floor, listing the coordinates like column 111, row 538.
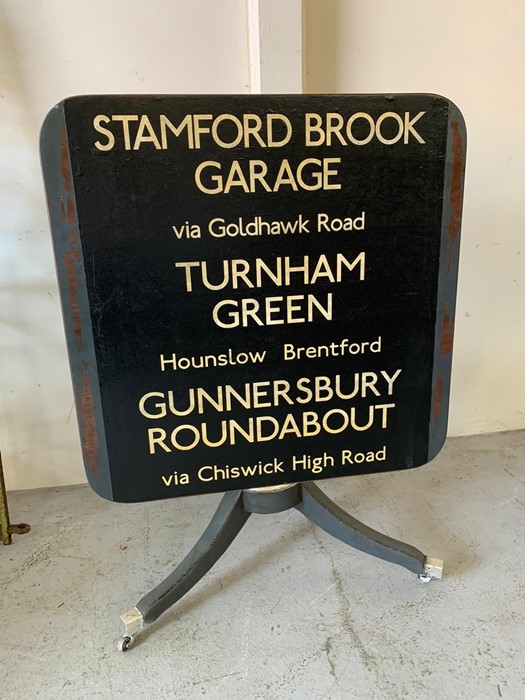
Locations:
column 328, row 649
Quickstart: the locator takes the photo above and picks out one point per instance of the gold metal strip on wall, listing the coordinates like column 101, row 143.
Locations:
column 6, row 529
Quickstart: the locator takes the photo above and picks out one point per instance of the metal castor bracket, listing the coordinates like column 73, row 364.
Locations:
column 133, row 624
column 433, row 570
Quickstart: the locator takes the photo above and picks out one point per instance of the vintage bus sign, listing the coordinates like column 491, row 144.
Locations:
column 256, row 290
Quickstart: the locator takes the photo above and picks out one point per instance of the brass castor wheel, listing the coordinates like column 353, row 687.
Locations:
column 125, row 643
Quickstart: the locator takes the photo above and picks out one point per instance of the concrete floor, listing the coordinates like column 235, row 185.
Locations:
column 288, row 612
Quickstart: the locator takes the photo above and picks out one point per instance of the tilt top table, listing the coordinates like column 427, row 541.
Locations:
column 258, row 292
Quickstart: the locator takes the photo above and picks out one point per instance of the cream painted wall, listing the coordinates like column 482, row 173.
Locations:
column 473, row 52
column 49, row 50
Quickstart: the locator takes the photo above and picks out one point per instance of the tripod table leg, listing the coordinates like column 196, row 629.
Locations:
column 322, row 511
column 225, row 525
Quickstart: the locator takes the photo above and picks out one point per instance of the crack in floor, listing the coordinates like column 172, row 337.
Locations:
column 368, row 659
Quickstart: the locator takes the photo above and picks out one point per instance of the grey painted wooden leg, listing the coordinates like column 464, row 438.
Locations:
column 322, row 511
column 225, row 525
column 232, row 513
